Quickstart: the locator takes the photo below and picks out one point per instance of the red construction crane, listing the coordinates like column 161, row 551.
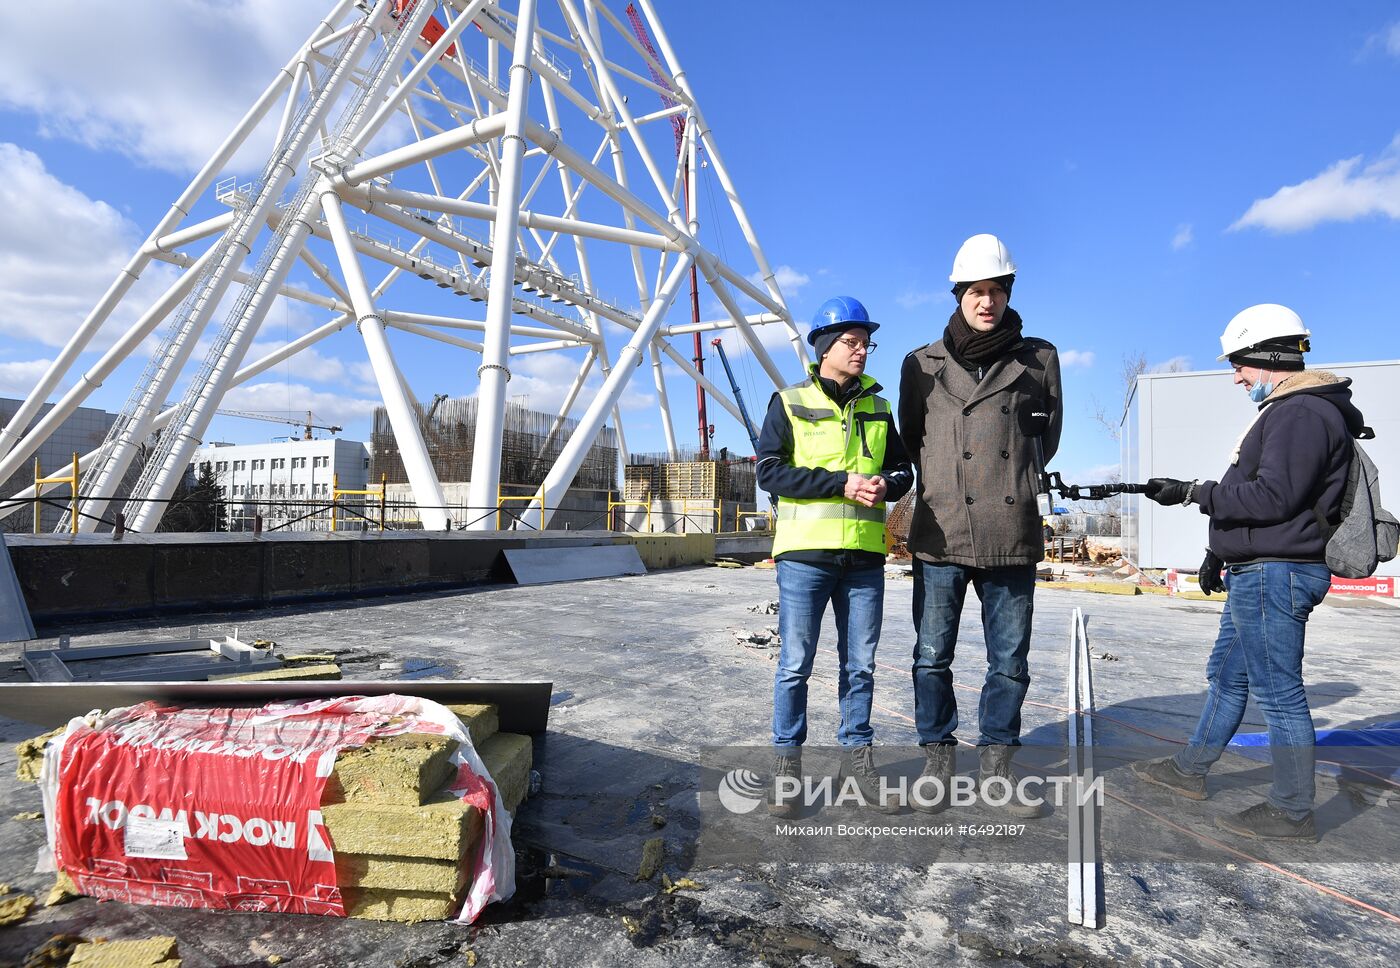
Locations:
column 678, row 126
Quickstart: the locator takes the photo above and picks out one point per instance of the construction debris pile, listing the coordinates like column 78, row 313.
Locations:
column 405, row 840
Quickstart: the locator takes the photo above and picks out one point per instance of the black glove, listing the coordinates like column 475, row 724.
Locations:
column 1168, row 490
column 1209, row 575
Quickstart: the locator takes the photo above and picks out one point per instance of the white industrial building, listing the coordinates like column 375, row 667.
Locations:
column 284, row 479
column 1185, row 425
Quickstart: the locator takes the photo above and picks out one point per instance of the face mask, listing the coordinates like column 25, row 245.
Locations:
column 1260, row 391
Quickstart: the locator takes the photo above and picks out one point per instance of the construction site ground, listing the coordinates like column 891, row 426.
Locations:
column 649, row 672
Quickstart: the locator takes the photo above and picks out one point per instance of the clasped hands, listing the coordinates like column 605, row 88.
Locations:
column 867, row 490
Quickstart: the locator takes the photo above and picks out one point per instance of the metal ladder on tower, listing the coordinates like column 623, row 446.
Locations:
column 138, row 414
column 165, row 464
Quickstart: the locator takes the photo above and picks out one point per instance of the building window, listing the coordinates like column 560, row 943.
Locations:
column 366, row 463
column 240, row 465
column 278, row 463
column 259, row 464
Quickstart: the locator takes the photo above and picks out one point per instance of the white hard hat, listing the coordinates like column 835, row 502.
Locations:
column 982, row 257
column 1259, row 324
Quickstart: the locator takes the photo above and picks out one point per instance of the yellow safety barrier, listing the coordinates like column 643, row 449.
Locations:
column 337, row 494
column 717, row 510
column 627, row 504
column 502, row 498
column 72, row 481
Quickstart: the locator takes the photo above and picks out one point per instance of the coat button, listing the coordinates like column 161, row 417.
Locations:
column 1005, row 408
column 1010, row 500
column 967, row 455
column 967, row 411
column 1005, row 455
column 969, row 499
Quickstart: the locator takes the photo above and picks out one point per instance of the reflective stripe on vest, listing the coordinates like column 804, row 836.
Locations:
column 828, row 511
column 850, row 439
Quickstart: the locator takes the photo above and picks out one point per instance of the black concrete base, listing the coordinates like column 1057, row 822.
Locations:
column 75, row 578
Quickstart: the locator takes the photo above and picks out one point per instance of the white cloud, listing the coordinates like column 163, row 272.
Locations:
column 1183, row 237
column 1177, row 364
column 1099, row 474
column 545, row 378
column 914, row 298
column 309, row 364
column 18, row 378
column 1387, row 39
column 1347, row 190
column 59, row 251
column 1084, row 358
column 162, row 81
column 331, row 408
column 789, row 280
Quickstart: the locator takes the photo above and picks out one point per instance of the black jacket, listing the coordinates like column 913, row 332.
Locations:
column 778, row 475
column 1290, row 474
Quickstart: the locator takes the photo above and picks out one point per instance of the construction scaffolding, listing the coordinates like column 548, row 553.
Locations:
column 530, row 444
column 656, row 477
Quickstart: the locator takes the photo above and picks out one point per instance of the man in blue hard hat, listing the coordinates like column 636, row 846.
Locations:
column 829, row 451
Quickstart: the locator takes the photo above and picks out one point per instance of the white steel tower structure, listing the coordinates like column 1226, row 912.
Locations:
column 497, row 151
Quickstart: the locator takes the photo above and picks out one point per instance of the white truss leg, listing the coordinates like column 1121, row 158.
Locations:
column 494, row 373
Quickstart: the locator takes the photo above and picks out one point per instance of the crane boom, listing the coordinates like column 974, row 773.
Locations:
column 308, row 424
column 738, row 395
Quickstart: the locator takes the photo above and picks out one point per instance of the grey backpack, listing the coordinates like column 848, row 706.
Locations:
column 1367, row 533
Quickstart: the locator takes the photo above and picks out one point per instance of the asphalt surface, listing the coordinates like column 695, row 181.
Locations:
column 650, row 676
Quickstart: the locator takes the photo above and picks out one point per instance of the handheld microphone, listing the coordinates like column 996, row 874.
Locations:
column 1033, row 418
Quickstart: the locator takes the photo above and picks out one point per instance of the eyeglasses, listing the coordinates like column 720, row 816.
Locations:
column 854, row 344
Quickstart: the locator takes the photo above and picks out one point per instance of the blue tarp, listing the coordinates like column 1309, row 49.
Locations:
column 1356, row 749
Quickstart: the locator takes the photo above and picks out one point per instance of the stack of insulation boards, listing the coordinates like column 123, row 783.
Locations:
column 402, row 846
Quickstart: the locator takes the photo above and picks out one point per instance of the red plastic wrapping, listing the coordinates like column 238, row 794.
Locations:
column 212, row 808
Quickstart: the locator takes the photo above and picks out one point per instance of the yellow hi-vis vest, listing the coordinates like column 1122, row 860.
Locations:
column 850, row 439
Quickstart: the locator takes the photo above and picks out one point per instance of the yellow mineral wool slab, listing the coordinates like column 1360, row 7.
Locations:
column 441, row 829
column 406, row 769
column 297, row 673
column 145, row 953
column 672, row 550
column 507, row 757
column 30, row 754
column 481, row 721
column 400, row 873
column 1101, row 587
column 408, row 907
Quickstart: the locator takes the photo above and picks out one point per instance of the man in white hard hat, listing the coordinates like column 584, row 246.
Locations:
column 1271, row 514
column 963, row 401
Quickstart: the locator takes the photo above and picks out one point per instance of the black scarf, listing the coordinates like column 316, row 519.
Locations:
column 973, row 349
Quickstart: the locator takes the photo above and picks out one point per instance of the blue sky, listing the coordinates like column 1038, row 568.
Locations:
column 1153, row 173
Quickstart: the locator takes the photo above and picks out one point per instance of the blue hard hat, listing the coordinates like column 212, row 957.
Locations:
column 840, row 312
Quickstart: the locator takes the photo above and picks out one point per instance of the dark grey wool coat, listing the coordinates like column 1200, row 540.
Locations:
column 975, row 502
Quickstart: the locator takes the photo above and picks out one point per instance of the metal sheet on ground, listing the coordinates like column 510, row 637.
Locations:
column 15, row 624
column 524, row 706
column 542, row 566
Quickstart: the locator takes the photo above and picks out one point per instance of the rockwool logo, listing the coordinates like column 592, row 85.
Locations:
column 740, row 791
column 223, row 827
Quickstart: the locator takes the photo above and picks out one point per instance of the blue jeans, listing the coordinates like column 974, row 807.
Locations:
column 1007, row 595
column 1259, row 650
column 857, row 597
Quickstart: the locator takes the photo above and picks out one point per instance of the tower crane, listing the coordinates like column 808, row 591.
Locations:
column 307, row 425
